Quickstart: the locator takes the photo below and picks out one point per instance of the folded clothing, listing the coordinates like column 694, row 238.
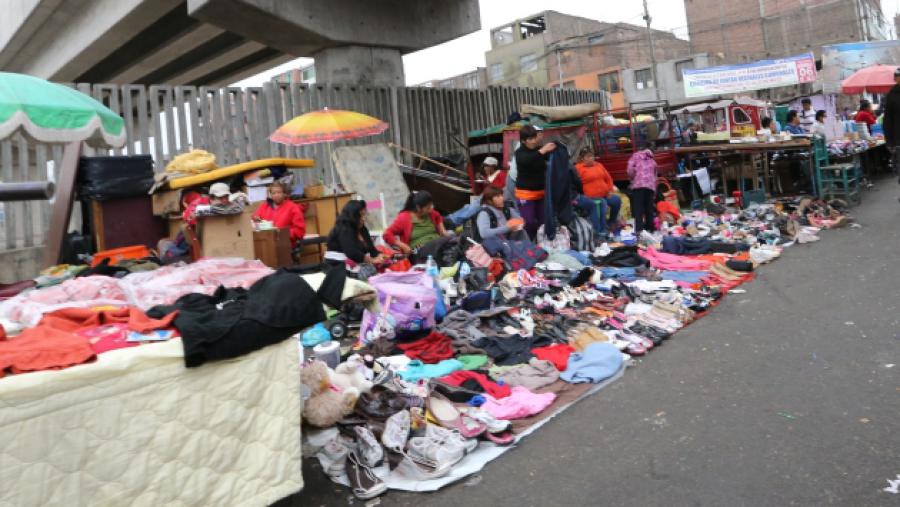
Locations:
column 743, row 266
column 598, row 362
column 477, row 382
column 417, row 370
column 519, row 404
column 536, row 374
column 558, row 354
column 432, row 349
column 37, row 349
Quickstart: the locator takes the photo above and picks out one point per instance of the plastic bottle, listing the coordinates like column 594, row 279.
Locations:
column 431, row 267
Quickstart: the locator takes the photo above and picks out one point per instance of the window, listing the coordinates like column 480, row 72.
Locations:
column 447, row 83
column 502, row 36
column 528, row 63
column 496, row 72
column 643, row 79
column 609, row 82
column 595, row 39
column 569, row 85
column 739, row 116
column 531, row 27
column 680, row 67
column 471, row 81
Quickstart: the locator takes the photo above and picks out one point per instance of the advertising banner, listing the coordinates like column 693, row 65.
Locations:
column 751, row 76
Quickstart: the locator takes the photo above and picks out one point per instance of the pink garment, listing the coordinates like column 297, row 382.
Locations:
column 519, row 404
column 672, row 262
column 143, row 290
column 642, row 170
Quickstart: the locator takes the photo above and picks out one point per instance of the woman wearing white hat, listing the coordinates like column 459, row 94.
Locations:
column 496, row 177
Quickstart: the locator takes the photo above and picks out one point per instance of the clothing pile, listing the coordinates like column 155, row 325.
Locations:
column 427, row 404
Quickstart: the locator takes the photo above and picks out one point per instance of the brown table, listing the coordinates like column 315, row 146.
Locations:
column 717, row 151
column 273, row 247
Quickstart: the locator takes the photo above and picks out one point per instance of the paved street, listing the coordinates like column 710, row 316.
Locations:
column 785, row 395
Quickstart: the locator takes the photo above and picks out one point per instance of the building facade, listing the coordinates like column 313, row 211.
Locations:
column 305, row 75
column 670, row 79
column 472, row 80
column 737, row 31
column 519, row 50
column 596, row 61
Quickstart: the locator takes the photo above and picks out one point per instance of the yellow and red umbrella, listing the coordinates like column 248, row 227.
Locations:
column 327, row 125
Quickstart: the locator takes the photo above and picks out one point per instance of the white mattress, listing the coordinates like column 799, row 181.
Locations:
column 138, row 428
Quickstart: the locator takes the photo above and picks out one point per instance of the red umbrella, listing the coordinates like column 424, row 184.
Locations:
column 875, row 79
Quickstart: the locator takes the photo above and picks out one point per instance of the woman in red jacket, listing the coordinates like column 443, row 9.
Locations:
column 417, row 227
column 282, row 212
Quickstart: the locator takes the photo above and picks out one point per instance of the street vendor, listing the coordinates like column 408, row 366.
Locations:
column 891, row 120
column 807, row 115
column 417, row 227
column 282, row 212
column 769, row 123
column 598, row 187
column 865, row 114
column 349, row 241
column 793, row 123
column 495, row 176
column 531, row 164
column 818, row 127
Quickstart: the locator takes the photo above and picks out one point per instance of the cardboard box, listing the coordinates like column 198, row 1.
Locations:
column 227, row 236
column 167, row 203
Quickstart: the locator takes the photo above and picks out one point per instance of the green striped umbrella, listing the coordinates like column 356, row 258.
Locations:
column 53, row 113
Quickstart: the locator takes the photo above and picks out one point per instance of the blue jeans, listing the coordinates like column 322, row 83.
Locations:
column 597, row 208
column 465, row 213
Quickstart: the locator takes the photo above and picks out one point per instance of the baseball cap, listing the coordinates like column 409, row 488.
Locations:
column 219, row 190
column 490, row 161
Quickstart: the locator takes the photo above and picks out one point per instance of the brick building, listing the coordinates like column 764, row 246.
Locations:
column 741, row 31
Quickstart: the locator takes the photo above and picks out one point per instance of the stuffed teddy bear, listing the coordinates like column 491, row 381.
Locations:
column 325, row 405
column 350, row 374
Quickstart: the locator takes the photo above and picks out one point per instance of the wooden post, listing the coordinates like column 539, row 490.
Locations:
column 62, row 207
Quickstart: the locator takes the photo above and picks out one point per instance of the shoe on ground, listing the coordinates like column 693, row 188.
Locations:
column 363, row 481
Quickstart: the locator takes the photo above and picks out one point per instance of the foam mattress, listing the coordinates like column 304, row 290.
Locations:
column 138, row 428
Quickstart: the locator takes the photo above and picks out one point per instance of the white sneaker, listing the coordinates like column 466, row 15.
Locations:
column 443, row 435
column 493, row 424
column 368, row 448
column 396, row 431
column 443, row 453
column 335, row 453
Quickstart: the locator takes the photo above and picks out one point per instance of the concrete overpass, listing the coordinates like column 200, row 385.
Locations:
column 215, row 42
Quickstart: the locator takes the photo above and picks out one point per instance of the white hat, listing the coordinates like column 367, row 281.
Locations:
column 490, row 161
column 219, row 190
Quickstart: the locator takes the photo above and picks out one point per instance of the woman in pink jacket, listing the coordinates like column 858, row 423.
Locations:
column 642, row 172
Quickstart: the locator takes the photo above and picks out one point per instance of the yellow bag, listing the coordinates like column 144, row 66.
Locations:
column 625, row 210
column 193, row 162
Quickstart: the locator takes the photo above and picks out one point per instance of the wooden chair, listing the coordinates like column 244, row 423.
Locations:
column 311, row 216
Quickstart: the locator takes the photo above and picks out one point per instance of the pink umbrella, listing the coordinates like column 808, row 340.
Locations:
column 875, row 79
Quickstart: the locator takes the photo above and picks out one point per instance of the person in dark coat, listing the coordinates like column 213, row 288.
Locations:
column 891, row 120
column 349, row 240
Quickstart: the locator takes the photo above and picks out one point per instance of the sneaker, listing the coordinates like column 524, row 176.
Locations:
column 493, row 424
column 396, row 431
column 455, row 438
column 367, row 447
column 335, row 453
column 443, row 453
column 363, row 481
column 421, row 469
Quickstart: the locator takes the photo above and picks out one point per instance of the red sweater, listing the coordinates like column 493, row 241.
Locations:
column 596, row 182
column 288, row 215
column 866, row 117
column 402, row 227
column 499, row 180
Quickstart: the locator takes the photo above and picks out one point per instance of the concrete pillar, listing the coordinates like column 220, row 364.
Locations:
column 357, row 65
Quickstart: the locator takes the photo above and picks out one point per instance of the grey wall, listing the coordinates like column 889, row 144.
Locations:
column 670, row 87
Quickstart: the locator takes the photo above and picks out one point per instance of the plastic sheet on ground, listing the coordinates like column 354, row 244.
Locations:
column 471, row 464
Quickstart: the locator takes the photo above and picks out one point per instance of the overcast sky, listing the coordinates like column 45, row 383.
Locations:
column 466, row 53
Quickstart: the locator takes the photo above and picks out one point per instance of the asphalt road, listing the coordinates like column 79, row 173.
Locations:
column 786, row 395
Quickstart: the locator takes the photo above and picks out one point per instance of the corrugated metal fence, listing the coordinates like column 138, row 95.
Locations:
column 235, row 123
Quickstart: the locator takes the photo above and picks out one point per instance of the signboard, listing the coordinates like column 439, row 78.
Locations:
column 752, row 76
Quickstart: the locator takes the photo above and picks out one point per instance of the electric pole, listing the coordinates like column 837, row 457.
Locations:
column 652, row 52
